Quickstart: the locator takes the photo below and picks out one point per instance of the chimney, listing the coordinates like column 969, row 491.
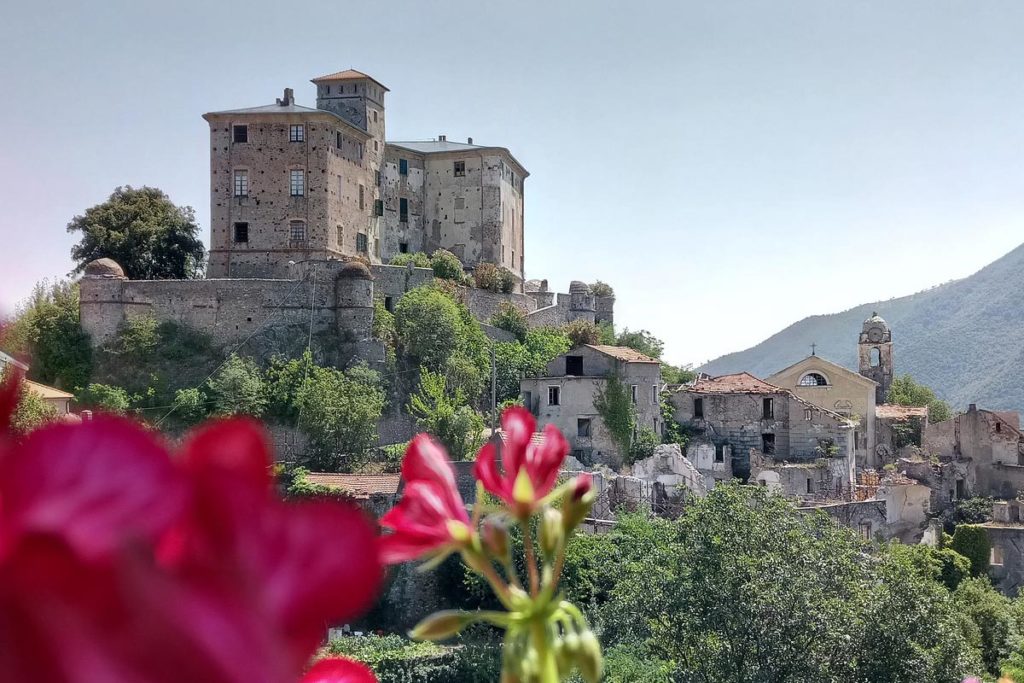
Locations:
column 973, row 408
column 442, row 138
column 86, row 415
column 469, row 141
column 288, row 99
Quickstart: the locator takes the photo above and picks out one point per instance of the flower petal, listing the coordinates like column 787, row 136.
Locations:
column 427, row 460
column 96, row 485
column 339, row 670
column 518, row 425
column 236, row 448
column 485, row 469
column 9, row 392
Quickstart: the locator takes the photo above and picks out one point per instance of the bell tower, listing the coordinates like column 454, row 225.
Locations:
column 874, row 352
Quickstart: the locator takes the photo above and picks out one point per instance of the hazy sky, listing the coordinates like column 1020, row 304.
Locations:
column 729, row 167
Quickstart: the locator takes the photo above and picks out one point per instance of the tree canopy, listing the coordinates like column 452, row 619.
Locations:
column 906, row 392
column 144, row 231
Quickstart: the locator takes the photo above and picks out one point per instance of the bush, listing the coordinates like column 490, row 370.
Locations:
column 643, row 445
column 443, row 413
column 447, row 265
column 486, row 276
column 599, row 289
column 512, row 319
column 191, row 406
column 971, row 541
column 581, row 332
column 508, row 280
column 238, row 388
column 417, row 259
column 105, row 397
column 395, row 659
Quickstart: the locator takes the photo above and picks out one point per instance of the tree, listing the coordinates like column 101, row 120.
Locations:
column 544, row 344
column 144, row 231
column 993, row 617
column 673, row 374
column 238, row 388
column 971, row 541
column 339, row 412
column 512, row 319
column 428, row 325
column 190, row 406
column 581, row 332
column 47, row 330
column 601, row 289
column 641, row 341
column 284, row 381
column 104, row 397
column 444, row 414
column 906, row 392
column 31, row 412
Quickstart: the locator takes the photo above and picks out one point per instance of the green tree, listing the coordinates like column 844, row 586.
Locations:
column 599, row 289
column 429, row 326
column 993, row 617
column 614, row 403
column 511, row 363
column 284, row 380
column 31, row 412
column 581, row 332
column 607, row 335
column 238, row 388
column 544, row 344
column 673, row 374
column 339, row 412
column 512, row 319
column 47, row 329
column 144, row 231
column 444, row 414
column 641, row 341
column 447, row 265
column 643, row 445
column 906, row 392
column 104, row 397
column 191, row 406
column 971, row 541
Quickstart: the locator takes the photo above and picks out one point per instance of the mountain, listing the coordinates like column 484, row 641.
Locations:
column 964, row 339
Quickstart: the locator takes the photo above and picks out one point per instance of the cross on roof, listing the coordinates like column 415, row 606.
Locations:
column 813, row 349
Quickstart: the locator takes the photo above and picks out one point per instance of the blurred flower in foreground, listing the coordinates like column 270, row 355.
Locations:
column 122, row 562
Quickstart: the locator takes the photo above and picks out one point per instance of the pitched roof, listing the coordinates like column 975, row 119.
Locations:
column 348, row 75
column 829, row 367
column 275, row 109
column 7, row 359
column 623, row 353
column 435, row 146
column 44, row 391
column 737, row 383
column 893, row 411
column 359, row 485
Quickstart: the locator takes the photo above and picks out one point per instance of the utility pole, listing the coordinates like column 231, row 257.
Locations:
column 494, row 391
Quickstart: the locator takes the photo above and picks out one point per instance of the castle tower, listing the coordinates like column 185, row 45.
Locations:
column 875, row 355
column 355, row 97
column 582, row 305
column 353, row 295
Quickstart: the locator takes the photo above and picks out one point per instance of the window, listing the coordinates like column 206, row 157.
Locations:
column 375, row 116
column 338, row 140
column 296, row 132
column 844, row 408
column 375, row 146
column 297, row 233
column 808, row 413
column 460, row 169
column 574, row 365
column 460, row 203
column 403, row 167
column 654, row 394
column 961, row 489
column 632, row 393
column 403, row 247
column 813, row 379
column 583, row 427
column 768, row 444
column 362, row 200
column 240, row 133
column 698, row 409
column 361, row 243
column 241, row 232
column 376, row 178
column 297, row 183
column 719, row 452
column 554, row 396
column 865, row 530
column 241, row 183
column 996, row 555
column 876, row 357
column 340, row 236
column 810, row 485
column 403, row 210
column 768, row 409
column 389, row 304
column 378, row 207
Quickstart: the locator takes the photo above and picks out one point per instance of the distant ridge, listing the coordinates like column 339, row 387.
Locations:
column 965, row 339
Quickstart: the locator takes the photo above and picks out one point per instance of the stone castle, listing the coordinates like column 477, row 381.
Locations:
column 308, row 205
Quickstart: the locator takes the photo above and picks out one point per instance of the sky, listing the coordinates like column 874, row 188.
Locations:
column 728, row 167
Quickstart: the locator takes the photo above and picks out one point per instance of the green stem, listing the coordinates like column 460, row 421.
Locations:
column 531, row 558
column 545, row 655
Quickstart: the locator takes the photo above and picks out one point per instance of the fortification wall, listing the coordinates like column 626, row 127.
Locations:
column 484, row 304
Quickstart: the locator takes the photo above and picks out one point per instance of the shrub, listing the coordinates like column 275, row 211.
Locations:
column 486, row 276
column 443, row 413
column 507, row 280
column 395, row 659
column 971, row 541
column 190, row 406
column 417, row 259
column 105, row 397
column 643, row 445
column 582, row 332
column 599, row 288
column 238, row 388
column 512, row 319
column 447, row 265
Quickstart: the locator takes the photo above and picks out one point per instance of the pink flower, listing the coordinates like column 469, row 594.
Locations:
column 431, row 518
column 530, row 469
column 121, row 563
column 339, row 670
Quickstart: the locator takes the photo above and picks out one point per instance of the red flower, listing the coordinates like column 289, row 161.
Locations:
column 119, row 563
column 339, row 670
column 530, row 469
column 431, row 518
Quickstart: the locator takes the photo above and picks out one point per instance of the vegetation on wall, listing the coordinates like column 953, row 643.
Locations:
column 144, row 231
column 971, row 541
column 614, row 404
column 581, row 332
column 512, row 319
column 443, row 411
column 492, row 278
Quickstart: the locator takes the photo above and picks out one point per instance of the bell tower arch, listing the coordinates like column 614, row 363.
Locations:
column 875, row 355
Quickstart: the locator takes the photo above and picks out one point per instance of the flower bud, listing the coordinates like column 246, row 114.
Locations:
column 495, row 538
column 588, row 659
column 550, row 532
column 578, row 500
column 441, row 625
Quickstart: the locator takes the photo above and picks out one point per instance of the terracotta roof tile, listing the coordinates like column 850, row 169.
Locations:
column 739, row 383
column 359, row 485
column 348, row 75
column 44, row 391
column 623, row 353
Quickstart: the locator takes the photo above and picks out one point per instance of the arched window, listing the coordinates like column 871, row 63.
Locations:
column 813, row 379
column 876, row 357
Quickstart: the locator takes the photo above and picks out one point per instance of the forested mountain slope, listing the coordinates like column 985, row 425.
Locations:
column 965, row 339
